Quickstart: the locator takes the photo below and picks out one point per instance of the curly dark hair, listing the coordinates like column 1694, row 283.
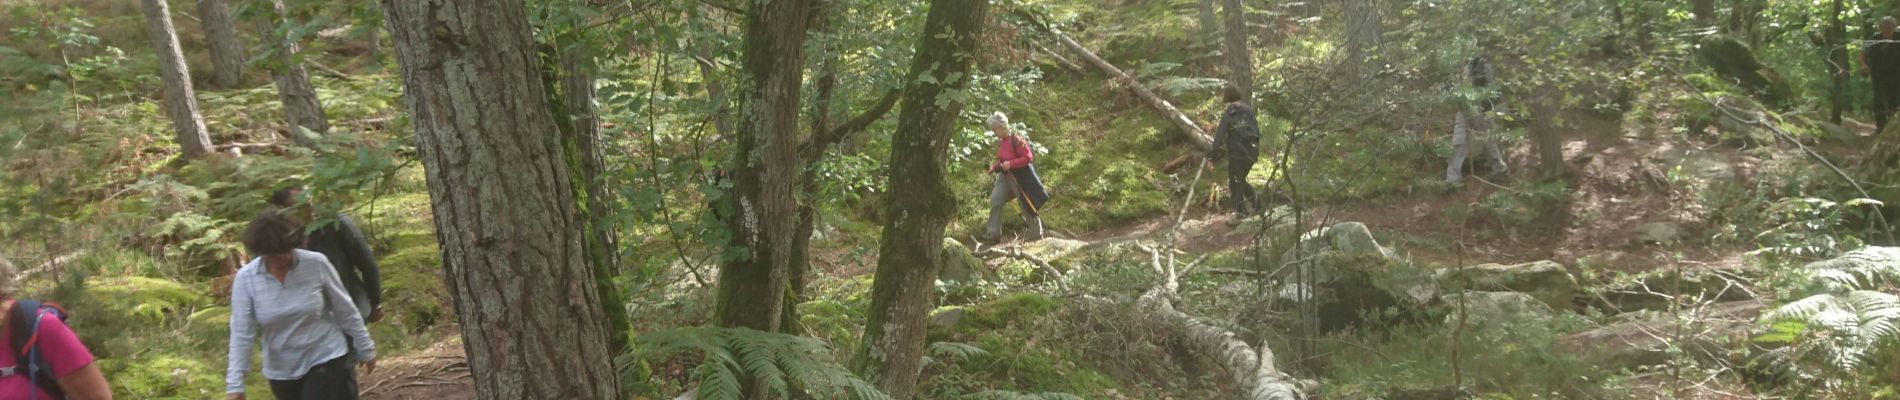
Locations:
column 273, row 232
column 1230, row 92
column 283, row 197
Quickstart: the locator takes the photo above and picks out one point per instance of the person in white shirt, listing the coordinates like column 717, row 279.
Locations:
column 293, row 300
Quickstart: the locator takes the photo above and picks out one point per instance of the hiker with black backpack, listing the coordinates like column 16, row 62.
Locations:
column 1016, row 180
column 1474, row 122
column 348, row 250
column 45, row 359
column 294, row 302
column 1238, row 141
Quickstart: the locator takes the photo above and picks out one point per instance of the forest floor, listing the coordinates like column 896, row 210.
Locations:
column 439, row 372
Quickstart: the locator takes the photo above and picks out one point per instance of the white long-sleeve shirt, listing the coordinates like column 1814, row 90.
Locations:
column 303, row 320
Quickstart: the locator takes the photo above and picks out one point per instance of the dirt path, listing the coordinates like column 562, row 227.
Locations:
column 437, row 373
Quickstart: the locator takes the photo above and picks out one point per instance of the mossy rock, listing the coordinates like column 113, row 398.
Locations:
column 1733, row 59
column 163, row 377
column 148, row 297
column 1002, row 313
column 1547, row 281
column 959, row 264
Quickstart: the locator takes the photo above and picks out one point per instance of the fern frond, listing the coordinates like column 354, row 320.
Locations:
column 957, row 350
column 1804, row 309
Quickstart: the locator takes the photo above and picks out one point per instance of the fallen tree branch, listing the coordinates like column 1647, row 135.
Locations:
column 1885, row 228
column 1231, row 271
column 1252, row 371
column 1181, row 122
column 1064, row 62
column 1017, row 253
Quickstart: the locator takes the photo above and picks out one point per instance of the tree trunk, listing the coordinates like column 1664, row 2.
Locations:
column 1704, row 13
column 303, row 114
column 911, row 248
column 1182, row 124
column 1363, row 31
column 221, row 37
column 514, row 258
column 582, row 137
column 1209, row 25
column 752, row 286
column 1546, row 139
column 1837, row 61
column 181, row 103
column 1235, row 49
column 824, row 85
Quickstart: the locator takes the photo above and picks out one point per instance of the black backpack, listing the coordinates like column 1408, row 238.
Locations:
column 24, row 326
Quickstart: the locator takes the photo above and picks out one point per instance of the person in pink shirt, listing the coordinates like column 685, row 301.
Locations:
column 71, row 365
column 1012, row 153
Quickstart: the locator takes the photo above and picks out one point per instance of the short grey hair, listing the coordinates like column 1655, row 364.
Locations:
column 7, row 271
column 997, row 120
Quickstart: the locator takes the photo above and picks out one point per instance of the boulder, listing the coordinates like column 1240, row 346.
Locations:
column 1352, row 277
column 1703, row 332
column 1659, row 232
column 947, row 317
column 1492, row 308
column 1732, row 59
column 1656, row 290
column 959, row 264
column 1546, row 281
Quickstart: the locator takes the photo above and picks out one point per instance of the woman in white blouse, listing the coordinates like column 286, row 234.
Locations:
column 293, row 300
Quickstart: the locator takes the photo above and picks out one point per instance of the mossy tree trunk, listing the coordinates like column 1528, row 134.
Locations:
column 1364, row 32
column 1209, row 25
column 1238, row 54
column 1837, row 61
column 580, row 138
column 181, row 103
column 752, row 285
column 514, row 258
column 303, row 113
column 911, row 249
column 221, row 38
column 1704, row 13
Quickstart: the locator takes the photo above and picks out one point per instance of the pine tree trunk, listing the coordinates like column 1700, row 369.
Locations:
column 583, row 138
column 752, row 287
column 910, row 252
column 1209, row 25
column 514, row 258
column 1546, row 139
column 1238, row 54
column 1704, row 13
column 1837, row 61
column 1363, row 31
column 221, row 37
column 181, row 103
column 303, row 114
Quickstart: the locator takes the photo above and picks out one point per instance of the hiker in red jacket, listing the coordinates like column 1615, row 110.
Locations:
column 1012, row 154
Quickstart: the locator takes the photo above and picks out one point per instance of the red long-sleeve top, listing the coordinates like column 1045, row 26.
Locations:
column 1012, row 153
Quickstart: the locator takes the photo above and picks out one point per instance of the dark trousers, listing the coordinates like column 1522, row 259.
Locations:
column 1243, row 196
column 332, row 380
column 1886, row 100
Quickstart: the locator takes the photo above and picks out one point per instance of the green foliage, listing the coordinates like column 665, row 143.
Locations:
column 1508, row 359
column 1807, row 227
column 784, row 363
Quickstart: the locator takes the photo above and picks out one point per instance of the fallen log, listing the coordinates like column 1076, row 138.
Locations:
column 1253, row 371
column 1064, row 62
column 1017, row 253
column 1182, row 123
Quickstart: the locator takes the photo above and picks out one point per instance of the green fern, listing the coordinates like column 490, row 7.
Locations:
column 782, row 363
column 1008, row 395
column 1841, row 332
column 1866, row 269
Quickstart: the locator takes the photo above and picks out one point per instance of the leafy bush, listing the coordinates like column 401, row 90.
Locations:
column 782, row 362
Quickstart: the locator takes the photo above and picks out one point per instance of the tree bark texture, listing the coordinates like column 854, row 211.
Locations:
column 1546, row 138
column 221, row 38
column 910, row 252
column 513, row 253
column 303, row 114
column 1209, row 25
column 752, row 286
column 181, row 103
column 1186, row 126
column 1704, row 13
column 824, row 85
column 1238, row 54
column 1363, row 31
column 1837, row 61
column 584, row 140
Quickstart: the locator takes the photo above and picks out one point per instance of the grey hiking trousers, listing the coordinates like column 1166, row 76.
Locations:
column 1000, row 195
column 1471, row 126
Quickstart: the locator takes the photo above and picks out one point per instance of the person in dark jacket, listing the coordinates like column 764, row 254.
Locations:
column 349, row 253
column 1880, row 60
column 1474, row 123
column 1238, row 140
